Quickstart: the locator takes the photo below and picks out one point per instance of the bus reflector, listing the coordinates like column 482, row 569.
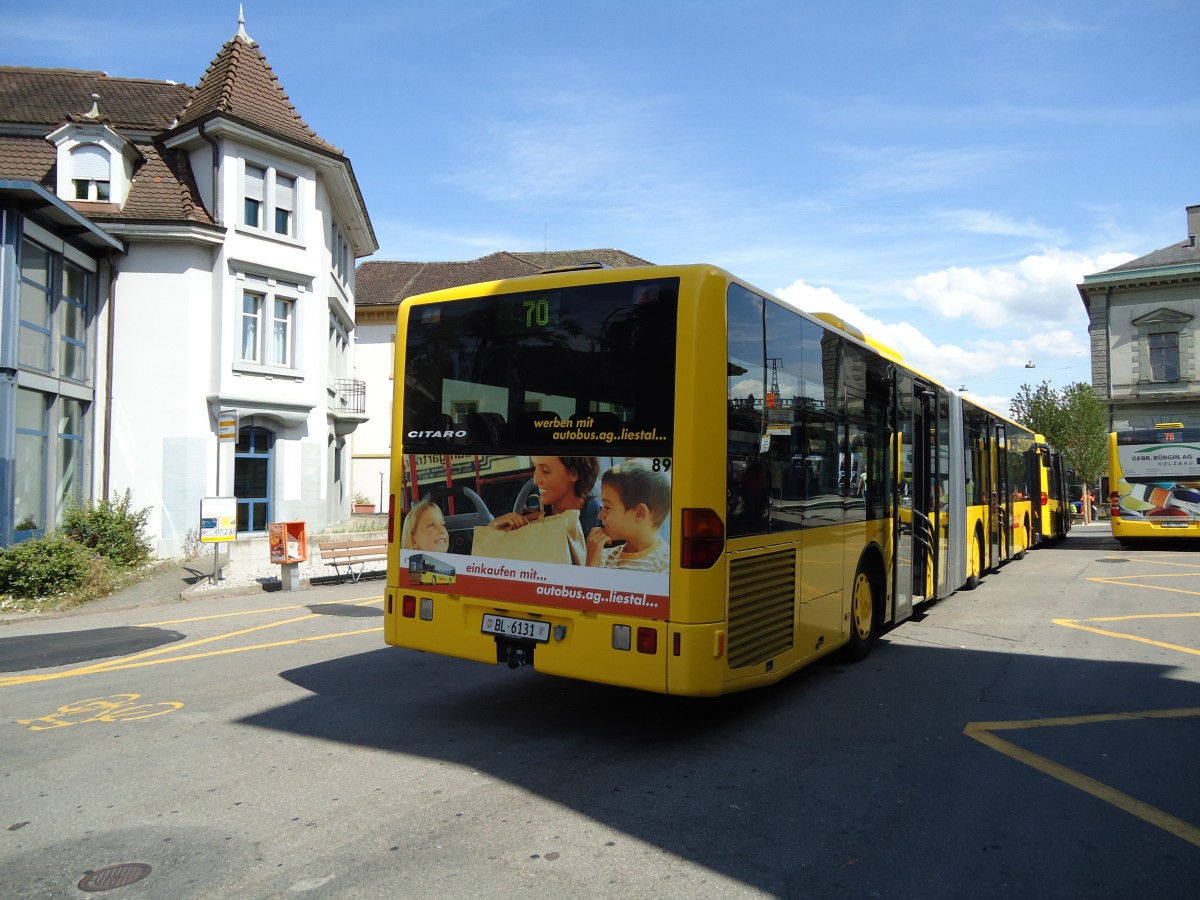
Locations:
column 647, row 640
column 391, row 526
column 677, row 644
column 408, row 606
column 703, row 538
column 622, row 637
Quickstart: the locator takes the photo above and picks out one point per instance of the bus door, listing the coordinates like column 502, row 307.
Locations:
column 916, row 544
column 926, row 489
column 1001, row 499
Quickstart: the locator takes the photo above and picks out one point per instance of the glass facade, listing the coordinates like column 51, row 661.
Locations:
column 48, row 406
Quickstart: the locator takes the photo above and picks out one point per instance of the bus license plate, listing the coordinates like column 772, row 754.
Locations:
column 524, row 629
column 1174, row 524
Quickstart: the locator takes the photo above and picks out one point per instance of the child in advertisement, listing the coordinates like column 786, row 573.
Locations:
column 425, row 528
column 635, row 500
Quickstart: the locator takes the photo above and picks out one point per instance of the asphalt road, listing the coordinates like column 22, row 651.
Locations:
column 1034, row 738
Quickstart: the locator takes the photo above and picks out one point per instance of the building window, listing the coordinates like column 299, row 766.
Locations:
column 252, row 305
column 268, row 342
column 285, row 204
column 281, row 332
column 36, row 294
column 73, row 324
column 90, row 172
column 269, row 200
column 29, row 474
column 339, row 250
column 1164, row 356
column 256, row 179
column 71, row 458
column 339, row 344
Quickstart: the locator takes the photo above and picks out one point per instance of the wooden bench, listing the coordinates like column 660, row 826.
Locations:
column 350, row 556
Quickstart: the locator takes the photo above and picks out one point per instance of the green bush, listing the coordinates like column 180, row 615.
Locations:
column 111, row 529
column 45, row 566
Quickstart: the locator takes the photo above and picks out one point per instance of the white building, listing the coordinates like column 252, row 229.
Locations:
column 229, row 286
column 1143, row 319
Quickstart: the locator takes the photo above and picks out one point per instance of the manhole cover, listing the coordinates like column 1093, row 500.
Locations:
column 114, row 877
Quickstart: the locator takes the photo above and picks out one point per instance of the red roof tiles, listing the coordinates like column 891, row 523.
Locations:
column 386, row 283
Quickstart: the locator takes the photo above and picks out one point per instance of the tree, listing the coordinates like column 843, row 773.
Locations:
column 1039, row 409
column 1072, row 419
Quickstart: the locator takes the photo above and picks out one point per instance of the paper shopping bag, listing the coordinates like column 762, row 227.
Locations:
column 553, row 539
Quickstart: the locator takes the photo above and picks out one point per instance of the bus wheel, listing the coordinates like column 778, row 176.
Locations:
column 866, row 608
column 974, row 563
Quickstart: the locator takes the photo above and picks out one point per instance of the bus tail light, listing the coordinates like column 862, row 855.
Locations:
column 703, row 538
column 1114, row 505
column 408, row 606
column 1045, row 498
column 647, row 640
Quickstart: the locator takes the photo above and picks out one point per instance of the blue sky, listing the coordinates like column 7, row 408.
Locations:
column 940, row 173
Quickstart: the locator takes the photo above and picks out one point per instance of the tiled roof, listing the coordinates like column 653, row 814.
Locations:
column 49, row 97
column 1186, row 253
column 25, row 158
column 163, row 188
column 386, row 282
column 241, row 83
column 617, row 259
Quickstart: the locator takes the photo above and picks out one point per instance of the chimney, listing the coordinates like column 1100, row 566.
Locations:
column 1193, row 214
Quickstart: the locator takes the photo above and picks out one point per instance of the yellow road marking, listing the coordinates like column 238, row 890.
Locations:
column 1140, row 581
column 146, row 658
column 1078, row 624
column 984, row 733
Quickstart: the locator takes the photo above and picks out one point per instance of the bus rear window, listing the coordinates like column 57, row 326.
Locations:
column 590, row 367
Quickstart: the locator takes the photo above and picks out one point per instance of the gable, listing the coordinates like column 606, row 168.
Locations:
column 1163, row 316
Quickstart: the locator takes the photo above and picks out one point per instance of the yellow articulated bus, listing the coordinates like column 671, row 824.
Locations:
column 1154, row 474
column 1051, row 508
column 664, row 478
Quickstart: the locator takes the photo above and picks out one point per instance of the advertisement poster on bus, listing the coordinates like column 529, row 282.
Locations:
column 568, row 532
column 1161, row 481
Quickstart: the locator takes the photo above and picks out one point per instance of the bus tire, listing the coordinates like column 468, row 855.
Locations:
column 866, row 610
column 975, row 561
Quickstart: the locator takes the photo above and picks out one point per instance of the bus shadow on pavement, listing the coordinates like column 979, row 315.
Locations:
column 829, row 752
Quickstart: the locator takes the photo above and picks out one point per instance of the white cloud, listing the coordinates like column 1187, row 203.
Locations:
column 979, row 327
column 1041, row 288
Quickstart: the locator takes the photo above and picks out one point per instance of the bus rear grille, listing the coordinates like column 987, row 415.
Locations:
column 762, row 607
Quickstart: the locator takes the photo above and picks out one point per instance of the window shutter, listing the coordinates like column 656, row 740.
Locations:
column 90, row 162
column 254, row 183
column 285, row 191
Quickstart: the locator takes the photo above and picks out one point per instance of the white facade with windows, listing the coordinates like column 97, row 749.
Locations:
column 1143, row 325
column 244, row 325
column 190, row 252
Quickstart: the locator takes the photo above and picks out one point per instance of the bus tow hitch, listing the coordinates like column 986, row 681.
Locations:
column 515, row 655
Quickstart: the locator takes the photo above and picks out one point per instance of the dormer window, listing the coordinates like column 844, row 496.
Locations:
column 91, row 169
